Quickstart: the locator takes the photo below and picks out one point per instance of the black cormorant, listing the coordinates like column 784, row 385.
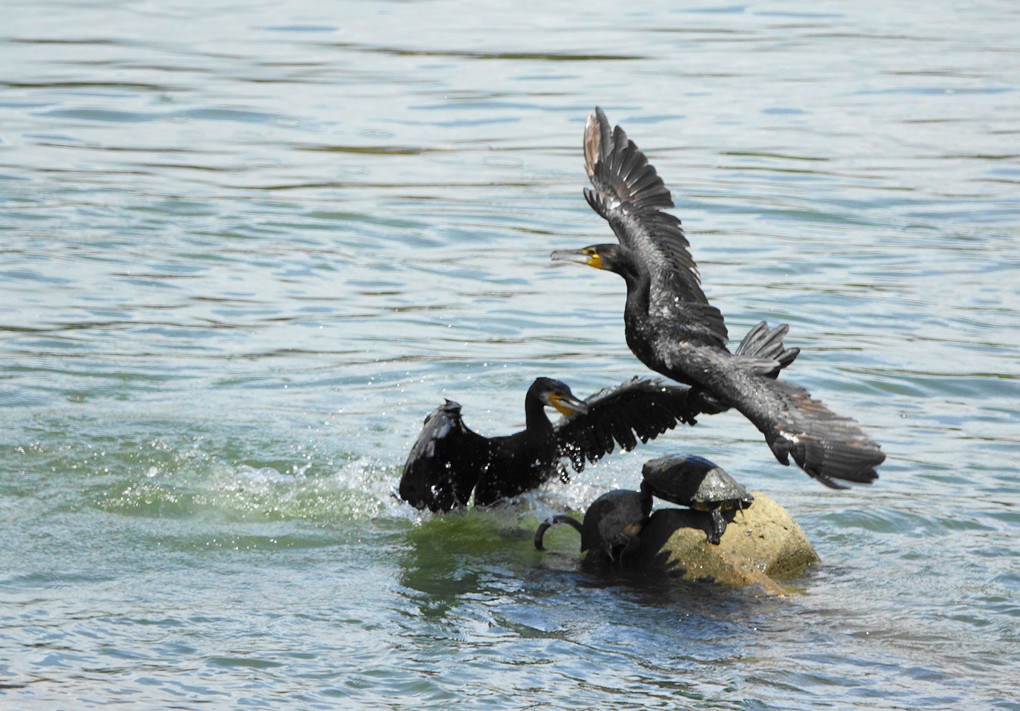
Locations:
column 449, row 461
column 671, row 327
column 609, row 533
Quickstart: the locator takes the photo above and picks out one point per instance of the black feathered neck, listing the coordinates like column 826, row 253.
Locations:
column 617, row 258
column 534, row 406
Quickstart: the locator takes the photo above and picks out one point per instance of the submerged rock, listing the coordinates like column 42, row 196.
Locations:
column 761, row 544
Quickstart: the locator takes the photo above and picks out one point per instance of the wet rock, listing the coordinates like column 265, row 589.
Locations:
column 762, row 544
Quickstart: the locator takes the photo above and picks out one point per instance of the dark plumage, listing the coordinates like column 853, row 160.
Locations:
column 448, row 460
column 671, row 327
column 611, row 526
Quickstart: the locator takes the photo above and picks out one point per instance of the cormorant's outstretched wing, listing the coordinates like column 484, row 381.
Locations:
column 638, row 409
column 629, row 194
column 827, row 446
column 445, row 462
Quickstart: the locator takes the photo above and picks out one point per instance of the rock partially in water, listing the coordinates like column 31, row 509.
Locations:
column 762, row 544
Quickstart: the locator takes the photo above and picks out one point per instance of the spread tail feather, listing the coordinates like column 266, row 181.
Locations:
column 763, row 342
column 763, row 351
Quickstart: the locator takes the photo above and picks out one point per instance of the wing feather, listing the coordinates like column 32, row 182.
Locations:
column 445, row 462
column 629, row 194
column 825, row 445
column 637, row 409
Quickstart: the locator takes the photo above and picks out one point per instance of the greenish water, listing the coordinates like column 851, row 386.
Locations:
column 245, row 249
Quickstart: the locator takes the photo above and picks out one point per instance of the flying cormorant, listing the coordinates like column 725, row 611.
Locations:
column 671, row 327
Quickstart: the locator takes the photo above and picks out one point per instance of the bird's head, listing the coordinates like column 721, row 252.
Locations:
column 556, row 394
column 611, row 257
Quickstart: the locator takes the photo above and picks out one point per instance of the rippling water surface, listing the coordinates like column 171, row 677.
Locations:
column 245, row 248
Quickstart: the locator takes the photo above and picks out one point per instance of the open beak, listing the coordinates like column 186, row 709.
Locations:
column 578, row 256
column 568, row 404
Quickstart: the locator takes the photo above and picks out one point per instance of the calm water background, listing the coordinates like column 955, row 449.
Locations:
column 246, row 247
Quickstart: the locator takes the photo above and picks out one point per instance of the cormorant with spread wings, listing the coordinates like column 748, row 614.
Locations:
column 671, row 327
column 449, row 461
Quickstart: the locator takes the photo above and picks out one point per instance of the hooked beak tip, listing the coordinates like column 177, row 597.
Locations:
column 565, row 255
column 578, row 406
column 586, row 256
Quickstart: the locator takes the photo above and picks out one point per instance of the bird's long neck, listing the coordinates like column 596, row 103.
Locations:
column 638, row 294
column 638, row 280
column 537, row 422
column 636, row 321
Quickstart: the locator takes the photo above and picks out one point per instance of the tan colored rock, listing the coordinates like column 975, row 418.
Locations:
column 761, row 544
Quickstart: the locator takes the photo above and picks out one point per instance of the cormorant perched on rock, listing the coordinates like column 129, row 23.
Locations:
column 449, row 461
column 671, row 327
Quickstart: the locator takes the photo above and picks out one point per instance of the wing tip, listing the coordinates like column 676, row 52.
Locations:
column 830, row 454
column 593, row 129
